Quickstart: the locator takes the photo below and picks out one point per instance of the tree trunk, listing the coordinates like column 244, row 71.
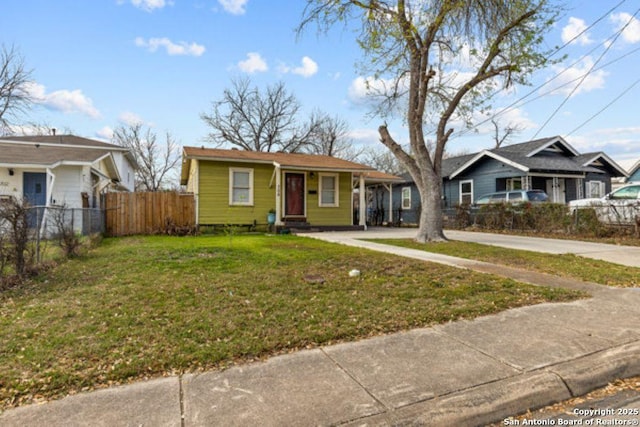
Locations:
column 431, row 224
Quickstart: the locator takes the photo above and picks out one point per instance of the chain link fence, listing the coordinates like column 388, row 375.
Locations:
column 48, row 222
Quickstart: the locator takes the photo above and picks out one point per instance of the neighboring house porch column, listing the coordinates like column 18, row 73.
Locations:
column 363, row 203
column 390, row 203
column 278, row 172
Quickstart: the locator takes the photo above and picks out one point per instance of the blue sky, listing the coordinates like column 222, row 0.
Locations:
column 99, row 64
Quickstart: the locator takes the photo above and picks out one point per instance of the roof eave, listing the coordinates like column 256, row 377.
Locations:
column 623, row 173
column 550, row 143
column 488, row 153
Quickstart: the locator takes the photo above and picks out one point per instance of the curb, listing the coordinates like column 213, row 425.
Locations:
column 494, row 402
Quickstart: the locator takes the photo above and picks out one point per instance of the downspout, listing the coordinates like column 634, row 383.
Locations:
column 278, row 193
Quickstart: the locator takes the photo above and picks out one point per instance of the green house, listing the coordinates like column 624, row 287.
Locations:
column 302, row 190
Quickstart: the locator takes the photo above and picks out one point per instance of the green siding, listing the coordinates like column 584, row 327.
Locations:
column 213, row 198
column 340, row 215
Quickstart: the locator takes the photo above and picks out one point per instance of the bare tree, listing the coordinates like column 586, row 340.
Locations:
column 15, row 98
column 252, row 120
column 155, row 160
column 37, row 128
column 418, row 50
column 500, row 137
column 383, row 160
column 330, row 137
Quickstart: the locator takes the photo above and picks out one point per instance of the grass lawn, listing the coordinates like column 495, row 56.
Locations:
column 567, row 265
column 150, row 306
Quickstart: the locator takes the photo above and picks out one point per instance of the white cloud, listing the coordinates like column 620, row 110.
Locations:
column 308, row 68
column 509, row 117
column 620, row 143
column 235, row 7
column 67, row 101
column 363, row 88
column 631, row 33
column 105, row 133
column 181, row 48
column 565, row 83
column 130, row 118
column 364, row 136
column 148, row 5
column 253, row 64
column 572, row 29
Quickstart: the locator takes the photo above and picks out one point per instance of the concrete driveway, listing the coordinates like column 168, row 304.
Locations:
column 625, row 255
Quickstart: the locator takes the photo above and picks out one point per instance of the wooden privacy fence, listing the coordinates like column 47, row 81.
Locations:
column 149, row 213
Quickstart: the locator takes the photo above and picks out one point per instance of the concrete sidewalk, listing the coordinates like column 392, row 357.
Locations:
column 461, row 373
column 625, row 255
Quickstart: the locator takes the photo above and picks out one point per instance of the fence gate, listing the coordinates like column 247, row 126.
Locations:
column 147, row 212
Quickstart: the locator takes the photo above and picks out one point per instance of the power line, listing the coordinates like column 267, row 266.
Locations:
column 587, row 29
column 605, row 107
column 587, row 74
column 520, row 102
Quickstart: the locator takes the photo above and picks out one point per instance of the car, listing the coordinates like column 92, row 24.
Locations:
column 514, row 196
column 621, row 206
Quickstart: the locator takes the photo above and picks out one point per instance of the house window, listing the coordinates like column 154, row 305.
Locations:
column 466, row 192
column 514, row 184
column 240, row 187
column 595, row 189
column 328, row 190
column 406, row 198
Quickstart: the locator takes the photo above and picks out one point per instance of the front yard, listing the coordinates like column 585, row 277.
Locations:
column 150, row 306
column 567, row 265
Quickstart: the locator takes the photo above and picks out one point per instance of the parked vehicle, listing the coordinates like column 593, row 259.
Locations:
column 621, row 206
column 515, row 196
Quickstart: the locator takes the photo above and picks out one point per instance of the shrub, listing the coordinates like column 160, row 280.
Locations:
column 14, row 219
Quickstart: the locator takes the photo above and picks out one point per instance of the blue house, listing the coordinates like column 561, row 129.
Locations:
column 634, row 173
column 548, row 164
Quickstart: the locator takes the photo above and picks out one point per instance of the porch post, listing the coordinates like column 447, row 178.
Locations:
column 278, row 195
column 390, row 188
column 363, row 203
column 49, row 195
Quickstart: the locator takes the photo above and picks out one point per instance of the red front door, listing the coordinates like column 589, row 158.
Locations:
column 294, row 194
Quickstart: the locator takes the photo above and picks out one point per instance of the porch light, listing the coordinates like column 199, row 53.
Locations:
column 11, row 172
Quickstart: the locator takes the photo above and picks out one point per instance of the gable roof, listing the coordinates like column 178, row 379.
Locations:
column 600, row 158
column 64, row 140
column 52, row 150
column 46, row 156
column 286, row 160
column 552, row 154
column 634, row 169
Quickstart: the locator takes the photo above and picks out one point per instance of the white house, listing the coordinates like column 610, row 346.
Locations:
column 63, row 170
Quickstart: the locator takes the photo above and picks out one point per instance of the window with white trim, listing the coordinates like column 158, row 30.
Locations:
column 595, row 189
column 240, row 187
column 406, row 197
column 328, row 190
column 514, row 184
column 466, row 192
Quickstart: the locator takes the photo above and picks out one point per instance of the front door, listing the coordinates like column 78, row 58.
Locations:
column 294, row 194
column 556, row 190
column 34, row 189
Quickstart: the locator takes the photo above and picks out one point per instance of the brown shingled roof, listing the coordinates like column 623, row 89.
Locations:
column 46, row 155
column 63, row 140
column 289, row 160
